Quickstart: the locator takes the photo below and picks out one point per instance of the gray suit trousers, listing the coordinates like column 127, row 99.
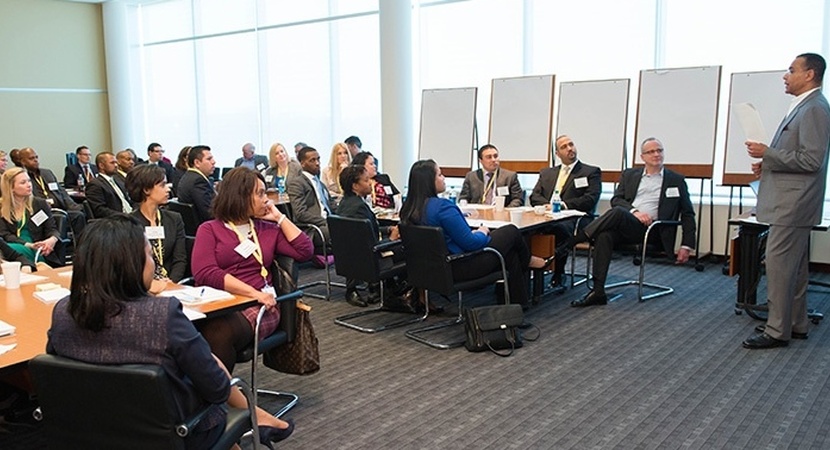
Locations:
column 787, row 289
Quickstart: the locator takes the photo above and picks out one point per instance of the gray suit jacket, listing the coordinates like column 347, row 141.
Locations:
column 794, row 168
column 304, row 204
column 473, row 188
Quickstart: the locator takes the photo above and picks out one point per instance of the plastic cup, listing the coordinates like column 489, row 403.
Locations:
column 539, row 210
column 11, row 274
column 500, row 203
column 516, row 216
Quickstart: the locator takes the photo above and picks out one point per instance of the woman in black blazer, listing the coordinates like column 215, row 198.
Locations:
column 27, row 224
column 148, row 187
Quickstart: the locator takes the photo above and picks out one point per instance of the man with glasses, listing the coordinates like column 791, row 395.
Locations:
column 155, row 155
column 643, row 195
column 80, row 170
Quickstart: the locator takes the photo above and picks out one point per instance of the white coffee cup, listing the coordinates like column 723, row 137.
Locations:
column 500, row 203
column 516, row 216
column 539, row 210
column 11, row 274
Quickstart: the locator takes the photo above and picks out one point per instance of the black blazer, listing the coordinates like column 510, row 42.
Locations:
column 55, row 195
column 198, row 191
column 102, row 197
column 47, row 229
column 168, row 168
column 71, row 173
column 670, row 208
column 354, row 207
column 583, row 199
column 175, row 252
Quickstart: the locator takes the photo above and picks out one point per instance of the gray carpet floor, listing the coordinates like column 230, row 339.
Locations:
column 667, row 373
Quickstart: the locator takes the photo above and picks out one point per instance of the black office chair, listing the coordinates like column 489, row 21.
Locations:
column 640, row 259
column 88, row 211
column 64, row 241
column 357, row 255
column 191, row 222
column 429, row 267
column 327, row 282
column 119, row 406
column 225, row 170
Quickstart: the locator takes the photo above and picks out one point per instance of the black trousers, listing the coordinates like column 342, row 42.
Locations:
column 563, row 231
column 510, row 243
column 617, row 225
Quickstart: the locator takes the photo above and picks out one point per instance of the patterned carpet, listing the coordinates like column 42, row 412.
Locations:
column 667, row 373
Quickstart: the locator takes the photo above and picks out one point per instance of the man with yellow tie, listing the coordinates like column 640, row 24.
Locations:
column 578, row 186
column 106, row 194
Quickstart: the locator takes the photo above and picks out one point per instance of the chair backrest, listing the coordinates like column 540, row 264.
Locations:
column 71, row 158
column 352, row 243
column 188, row 213
column 88, row 211
column 217, row 174
column 61, row 222
column 225, row 170
column 99, row 406
column 426, row 254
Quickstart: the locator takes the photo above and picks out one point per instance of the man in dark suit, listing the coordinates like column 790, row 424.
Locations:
column 251, row 160
column 793, row 172
column 309, row 197
column 195, row 187
column 579, row 186
column 82, row 168
column 643, row 196
column 107, row 194
column 155, row 155
column 485, row 184
column 45, row 185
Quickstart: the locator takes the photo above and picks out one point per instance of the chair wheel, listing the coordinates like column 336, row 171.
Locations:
column 815, row 321
column 738, row 312
column 637, row 261
column 699, row 267
column 724, row 270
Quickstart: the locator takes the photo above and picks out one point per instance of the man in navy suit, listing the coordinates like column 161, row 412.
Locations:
column 643, row 196
column 793, row 172
column 195, row 186
column 107, row 194
column 81, row 168
column 155, row 155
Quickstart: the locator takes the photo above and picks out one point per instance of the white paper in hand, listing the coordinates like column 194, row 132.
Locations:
column 750, row 121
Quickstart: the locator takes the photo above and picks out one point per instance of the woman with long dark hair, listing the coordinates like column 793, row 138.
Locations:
column 424, row 207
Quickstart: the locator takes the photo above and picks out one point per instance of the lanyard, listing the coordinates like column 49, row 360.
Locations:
column 257, row 251
column 21, row 223
column 39, row 180
column 158, row 249
column 489, row 186
column 199, row 172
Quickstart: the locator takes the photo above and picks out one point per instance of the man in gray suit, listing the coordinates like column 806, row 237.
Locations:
column 309, row 198
column 485, row 184
column 793, row 170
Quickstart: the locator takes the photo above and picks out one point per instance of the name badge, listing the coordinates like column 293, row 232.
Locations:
column 245, row 248
column 53, row 186
column 269, row 178
column 581, row 182
column 502, row 191
column 39, row 218
column 154, row 232
column 269, row 290
column 260, row 167
column 672, row 192
column 388, row 190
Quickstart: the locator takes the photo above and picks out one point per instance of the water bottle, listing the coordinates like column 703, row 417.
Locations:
column 403, row 194
column 81, row 182
column 453, row 195
column 281, row 185
column 556, row 202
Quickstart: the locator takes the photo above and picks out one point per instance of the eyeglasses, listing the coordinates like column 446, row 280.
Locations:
column 158, row 150
column 656, row 151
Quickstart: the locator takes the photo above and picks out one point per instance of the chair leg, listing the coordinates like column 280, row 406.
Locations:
column 255, row 391
column 660, row 290
column 416, row 334
column 344, row 320
column 328, row 283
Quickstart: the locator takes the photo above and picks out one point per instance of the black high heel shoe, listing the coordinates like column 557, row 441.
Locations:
column 549, row 260
column 269, row 435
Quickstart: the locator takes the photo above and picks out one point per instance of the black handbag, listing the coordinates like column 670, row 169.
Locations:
column 493, row 328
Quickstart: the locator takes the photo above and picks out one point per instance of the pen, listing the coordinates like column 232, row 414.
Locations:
column 202, row 293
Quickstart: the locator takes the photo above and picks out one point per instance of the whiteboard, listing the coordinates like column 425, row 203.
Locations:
column 448, row 127
column 594, row 114
column 680, row 108
column 521, row 119
column 765, row 91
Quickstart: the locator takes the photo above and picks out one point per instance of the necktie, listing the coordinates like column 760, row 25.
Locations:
column 563, row 176
column 86, row 173
column 323, row 194
column 125, row 205
column 488, row 196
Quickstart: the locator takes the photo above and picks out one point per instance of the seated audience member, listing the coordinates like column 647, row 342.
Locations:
column 3, row 162
column 310, row 201
column 155, row 155
column 356, row 187
column 354, row 145
column 330, row 176
column 126, row 161
column 297, row 147
column 82, row 168
column 14, row 156
column 579, row 186
column 106, row 194
column 384, row 191
column 251, row 160
column 280, row 168
column 243, row 215
column 110, row 305
column 423, row 207
column 195, row 187
column 27, row 225
column 643, row 196
column 180, row 167
column 45, row 185
column 491, row 181
column 164, row 229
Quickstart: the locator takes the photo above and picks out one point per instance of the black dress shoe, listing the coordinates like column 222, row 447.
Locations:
column 269, row 435
column 763, row 340
column 556, row 280
column 592, row 299
column 354, row 299
column 794, row 334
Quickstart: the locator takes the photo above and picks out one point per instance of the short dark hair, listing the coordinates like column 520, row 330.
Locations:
column 99, row 158
column 233, row 202
column 349, row 176
column 78, row 150
column 303, row 152
column 360, row 158
column 353, row 140
column 486, row 147
column 196, row 153
column 816, row 63
column 143, row 178
column 152, row 146
column 106, row 275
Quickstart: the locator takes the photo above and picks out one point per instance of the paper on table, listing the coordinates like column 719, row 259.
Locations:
column 193, row 295
column 564, row 214
column 750, row 121
column 25, row 278
column 492, row 224
column 7, row 348
column 192, row 314
column 6, row 329
column 52, row 295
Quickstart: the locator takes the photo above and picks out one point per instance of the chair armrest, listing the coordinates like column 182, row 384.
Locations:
column 458, row 256
column 386, row 245
column 183, row 429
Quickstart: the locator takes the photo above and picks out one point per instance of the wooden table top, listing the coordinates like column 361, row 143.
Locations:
column 32, row 317
column 527, row 222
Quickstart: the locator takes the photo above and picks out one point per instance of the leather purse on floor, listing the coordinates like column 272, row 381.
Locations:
column 493, row 328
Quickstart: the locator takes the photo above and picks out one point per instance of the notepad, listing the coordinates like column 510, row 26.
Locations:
column 52, row 295
column 6, row 329
column 195, row 295
column 564, row 214
column 192, row 314
column 25, row 278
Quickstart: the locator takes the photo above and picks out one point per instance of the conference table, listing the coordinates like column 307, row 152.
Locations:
column 32, row 317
